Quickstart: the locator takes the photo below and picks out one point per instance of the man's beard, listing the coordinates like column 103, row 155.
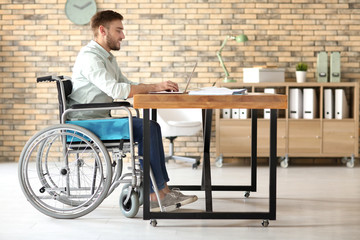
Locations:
column 112, row 44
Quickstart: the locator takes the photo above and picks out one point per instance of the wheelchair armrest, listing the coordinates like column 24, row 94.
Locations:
column 51, row 78
column 101, row 105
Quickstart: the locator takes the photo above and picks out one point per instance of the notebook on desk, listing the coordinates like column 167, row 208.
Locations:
column 218, row 91
column 179, row 92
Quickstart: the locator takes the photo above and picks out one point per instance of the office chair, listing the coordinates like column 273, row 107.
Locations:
column 179, row 122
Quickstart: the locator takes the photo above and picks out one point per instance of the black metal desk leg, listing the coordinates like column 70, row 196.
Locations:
column 254, row 128
column 206, row 177
column 272, row 164
column 154, row 114
column 146, row 157
column 203, row 119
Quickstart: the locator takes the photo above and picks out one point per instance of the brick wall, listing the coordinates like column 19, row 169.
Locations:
column 163, row 40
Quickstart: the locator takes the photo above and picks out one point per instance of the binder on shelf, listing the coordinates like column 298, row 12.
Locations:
column 296, row 103
column 335, row 67
column 328, row 103
column 309, row 103
column 267, row 111
column 226, row 113
column 244, row 113
column 235, row 113
column 322, row 67
column 341, row 105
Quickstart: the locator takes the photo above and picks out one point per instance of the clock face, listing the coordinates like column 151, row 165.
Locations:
column 80, row 11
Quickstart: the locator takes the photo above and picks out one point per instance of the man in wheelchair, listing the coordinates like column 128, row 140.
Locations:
column 98, row 79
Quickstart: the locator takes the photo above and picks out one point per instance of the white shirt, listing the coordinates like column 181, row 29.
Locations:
column 96, row 78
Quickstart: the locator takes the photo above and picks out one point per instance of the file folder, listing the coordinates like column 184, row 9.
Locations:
column 296, row 103
column 335, row 67
column 341, row 105
column 235, row 113
column 309, row 103
column 244, row 113
column 226, row 113
column 267, row 111
column 328, row 103
column 322, row 67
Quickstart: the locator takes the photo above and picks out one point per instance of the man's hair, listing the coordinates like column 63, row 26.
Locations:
column 104, row 18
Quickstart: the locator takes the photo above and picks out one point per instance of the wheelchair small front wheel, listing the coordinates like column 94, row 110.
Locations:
column 140, row 192
column 130, row 207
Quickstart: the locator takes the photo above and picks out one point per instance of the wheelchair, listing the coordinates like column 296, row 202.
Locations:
column 65, row 171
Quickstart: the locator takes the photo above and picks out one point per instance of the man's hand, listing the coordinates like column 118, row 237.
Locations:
column 168, row 86
column 157, row 87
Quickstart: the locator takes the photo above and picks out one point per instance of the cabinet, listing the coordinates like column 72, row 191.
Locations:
column 304, row 138
column 317, row 136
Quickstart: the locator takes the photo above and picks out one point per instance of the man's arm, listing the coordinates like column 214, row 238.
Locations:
column 146, row 88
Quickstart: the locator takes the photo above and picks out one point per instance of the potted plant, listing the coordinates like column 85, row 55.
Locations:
column 301, row 69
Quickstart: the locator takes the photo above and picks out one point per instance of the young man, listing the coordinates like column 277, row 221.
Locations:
column 97, row 79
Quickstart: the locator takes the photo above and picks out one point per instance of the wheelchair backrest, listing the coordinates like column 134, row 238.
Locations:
column 64, row 89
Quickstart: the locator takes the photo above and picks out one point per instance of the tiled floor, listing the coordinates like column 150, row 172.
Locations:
column 314, row 202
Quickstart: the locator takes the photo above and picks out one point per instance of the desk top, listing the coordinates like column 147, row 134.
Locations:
column 249, row 101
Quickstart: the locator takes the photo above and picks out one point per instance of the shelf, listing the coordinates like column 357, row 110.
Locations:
column 316, row 137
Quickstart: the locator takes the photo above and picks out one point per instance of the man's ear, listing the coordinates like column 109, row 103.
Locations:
column 102, row 30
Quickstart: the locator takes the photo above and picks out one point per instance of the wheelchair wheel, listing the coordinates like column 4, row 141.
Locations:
column 131, row 207
column 139, row 190
column 141, row 194
column 65, row 171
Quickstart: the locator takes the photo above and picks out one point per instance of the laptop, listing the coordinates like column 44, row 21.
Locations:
column 187, row 84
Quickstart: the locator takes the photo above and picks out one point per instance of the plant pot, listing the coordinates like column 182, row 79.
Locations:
column 300, row 76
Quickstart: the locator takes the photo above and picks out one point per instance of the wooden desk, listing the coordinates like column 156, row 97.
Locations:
column 250, row 101
column 207, row 103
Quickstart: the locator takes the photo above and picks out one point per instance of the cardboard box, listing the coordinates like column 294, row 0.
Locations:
column 256, row 75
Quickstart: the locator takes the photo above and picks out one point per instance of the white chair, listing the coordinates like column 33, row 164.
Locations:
column 179, row 122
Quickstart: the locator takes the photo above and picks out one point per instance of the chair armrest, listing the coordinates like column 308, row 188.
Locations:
column 51, row 78
column 101, row 105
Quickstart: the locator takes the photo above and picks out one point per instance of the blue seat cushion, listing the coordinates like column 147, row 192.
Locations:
column 106, row 129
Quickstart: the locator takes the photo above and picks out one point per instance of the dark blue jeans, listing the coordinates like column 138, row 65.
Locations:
column 157, row 155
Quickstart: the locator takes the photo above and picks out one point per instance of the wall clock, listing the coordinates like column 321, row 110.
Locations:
column 80, row 11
